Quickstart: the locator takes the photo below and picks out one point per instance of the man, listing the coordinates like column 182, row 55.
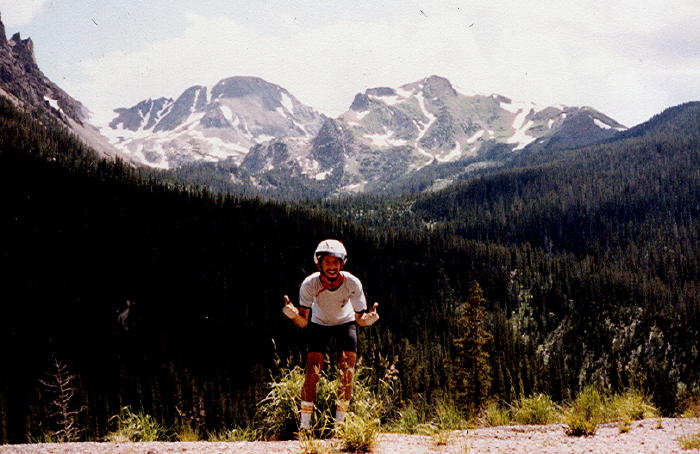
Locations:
column 337, row 304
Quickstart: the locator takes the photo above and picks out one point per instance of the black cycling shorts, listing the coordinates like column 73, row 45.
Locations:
column 340, row 337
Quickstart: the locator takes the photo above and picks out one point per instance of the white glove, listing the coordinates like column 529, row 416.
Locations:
column 290, row 311
column 371, row 316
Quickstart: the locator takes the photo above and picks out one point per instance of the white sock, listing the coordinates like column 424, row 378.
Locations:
column 307, row 409
column 341, row 409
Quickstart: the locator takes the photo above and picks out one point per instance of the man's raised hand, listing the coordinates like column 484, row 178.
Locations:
column 289, row 310
column 371, row 316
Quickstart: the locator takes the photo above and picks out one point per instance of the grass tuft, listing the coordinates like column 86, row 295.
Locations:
column 187, row 433
column 446, row 419
column 690, row 441
column 538, row 409
column 448, row 415
column 624, row 427
column 359, row 433
column 408, row 421
column 136, row 427
column 691, row 407
column 236, row 434
column 585, row 413
column 494, row 414
column 630, row 406
column 311, row 445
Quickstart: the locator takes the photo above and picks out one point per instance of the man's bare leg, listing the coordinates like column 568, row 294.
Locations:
column 314, row 364
column 346, row 363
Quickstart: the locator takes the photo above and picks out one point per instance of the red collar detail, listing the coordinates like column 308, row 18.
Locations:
column 327, row 284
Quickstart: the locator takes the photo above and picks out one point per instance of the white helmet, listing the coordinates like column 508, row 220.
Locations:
column 330, row 247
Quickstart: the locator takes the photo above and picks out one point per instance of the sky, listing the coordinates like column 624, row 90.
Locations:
column 628, row 59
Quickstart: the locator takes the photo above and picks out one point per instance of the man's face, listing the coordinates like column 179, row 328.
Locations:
column 330, row 266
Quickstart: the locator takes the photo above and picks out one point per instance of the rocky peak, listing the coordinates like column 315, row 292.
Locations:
column 270, row 95
column 436, row 86
column 360, row 103
column 24, row 49
column 134, row 118
column 380, row 91
column 330, row 144
column 194, row 99
column 501, row 99
column 240, row 86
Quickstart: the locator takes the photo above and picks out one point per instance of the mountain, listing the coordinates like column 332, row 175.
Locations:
column 211, row 125
column 26, row 87
column 388, row 135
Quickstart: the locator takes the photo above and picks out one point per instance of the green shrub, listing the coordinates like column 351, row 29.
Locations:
column 624, row 427
column 408, row 420
column 494, row 414
column 44, row 437
column 691, row 406
column 236, row 434
column 446, row 419
column 136, row 427
column 448, row 415
column 187, row 433
column 585, row 413
column 311, row 445
column 630, row 406
column 536, row 409
column 278, row 412
column 359, row 433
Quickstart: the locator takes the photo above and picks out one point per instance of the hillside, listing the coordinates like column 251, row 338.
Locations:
column 636, row 190
column 207, row 273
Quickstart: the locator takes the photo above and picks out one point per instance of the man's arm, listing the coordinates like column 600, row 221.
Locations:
column 300, row 316
column 369, row 317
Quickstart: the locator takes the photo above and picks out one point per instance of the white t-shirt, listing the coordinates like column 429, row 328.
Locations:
column 330, row 307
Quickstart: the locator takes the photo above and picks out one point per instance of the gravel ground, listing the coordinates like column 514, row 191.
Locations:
column 644, row 437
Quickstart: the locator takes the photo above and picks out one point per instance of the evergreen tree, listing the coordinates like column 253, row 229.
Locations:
column 472, row 367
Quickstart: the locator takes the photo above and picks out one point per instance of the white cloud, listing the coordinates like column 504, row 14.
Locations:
column 16, row 13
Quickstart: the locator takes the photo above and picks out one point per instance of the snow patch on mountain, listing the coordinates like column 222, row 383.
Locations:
column 287, row 102
column 53, row 103
column 384, row 140
column 601, row 125
column 476, row 136
column 423, row 129
column 520, row 137
column 453, row 155
column 322, row 175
